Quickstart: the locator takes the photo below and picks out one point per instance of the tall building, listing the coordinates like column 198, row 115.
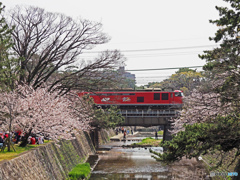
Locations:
column 130, row 78
column 125, row 74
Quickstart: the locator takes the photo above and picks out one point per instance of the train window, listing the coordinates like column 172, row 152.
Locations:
column 156, row 96
column 140, row 99
column 164, row 96
column 126, row 94
column 178, row 94
column 171, row 95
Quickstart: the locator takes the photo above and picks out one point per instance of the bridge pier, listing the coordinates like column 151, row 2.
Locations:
column 166, row 132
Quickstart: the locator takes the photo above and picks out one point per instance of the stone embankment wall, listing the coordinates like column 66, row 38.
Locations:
column 104, row 136
column 50, row 161
column 211, row 160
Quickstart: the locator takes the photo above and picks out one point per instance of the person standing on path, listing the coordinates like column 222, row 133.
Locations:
column 124, row 134
column 156, row 135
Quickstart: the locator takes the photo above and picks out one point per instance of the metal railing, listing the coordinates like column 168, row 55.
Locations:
column 149, row 113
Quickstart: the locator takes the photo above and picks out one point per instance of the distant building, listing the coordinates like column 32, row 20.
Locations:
column 130, row 79
column 125, row 74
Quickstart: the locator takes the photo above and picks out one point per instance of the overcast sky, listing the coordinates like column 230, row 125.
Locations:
column 159, row 33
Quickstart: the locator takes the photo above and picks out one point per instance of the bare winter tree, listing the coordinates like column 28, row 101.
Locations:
column 49, row 42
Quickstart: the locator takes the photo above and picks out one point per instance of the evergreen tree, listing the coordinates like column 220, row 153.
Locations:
column 8, row 64
column 210, row 122
column 103, row 118
column 223, row 62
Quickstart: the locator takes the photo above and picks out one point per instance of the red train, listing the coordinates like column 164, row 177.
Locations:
column 130, row 99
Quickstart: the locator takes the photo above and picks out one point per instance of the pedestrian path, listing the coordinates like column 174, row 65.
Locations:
column 119, row 137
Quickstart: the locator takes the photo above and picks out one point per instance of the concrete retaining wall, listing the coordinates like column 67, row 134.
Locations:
column 49, row 162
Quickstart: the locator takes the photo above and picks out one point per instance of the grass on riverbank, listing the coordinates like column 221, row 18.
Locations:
column 149, row 142
column 5, row 155
column 80, row 171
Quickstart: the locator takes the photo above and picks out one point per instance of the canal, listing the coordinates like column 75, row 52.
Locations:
column 117, row 162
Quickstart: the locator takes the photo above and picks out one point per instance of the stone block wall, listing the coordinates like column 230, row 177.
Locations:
column 48, row 162
column 104, row 135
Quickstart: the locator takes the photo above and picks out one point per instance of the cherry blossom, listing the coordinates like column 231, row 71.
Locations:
column 40, row 111
column 200, row 107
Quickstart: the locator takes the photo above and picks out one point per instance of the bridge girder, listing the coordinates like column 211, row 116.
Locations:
column 145, row 121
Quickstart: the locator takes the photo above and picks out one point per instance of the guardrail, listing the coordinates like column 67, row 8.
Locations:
column 149, row 113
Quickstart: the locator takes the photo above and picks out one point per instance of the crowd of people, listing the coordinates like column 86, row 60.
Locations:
column 124, row 131
column 17, row 136
column 34, row 139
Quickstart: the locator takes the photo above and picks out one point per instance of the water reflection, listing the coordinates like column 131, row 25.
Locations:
column 137, row 163
column 133, row 176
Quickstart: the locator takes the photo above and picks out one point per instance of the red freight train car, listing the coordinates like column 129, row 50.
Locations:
column 158, row 99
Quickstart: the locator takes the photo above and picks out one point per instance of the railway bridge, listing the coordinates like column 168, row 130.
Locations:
column 146, row 118
column 142, row 108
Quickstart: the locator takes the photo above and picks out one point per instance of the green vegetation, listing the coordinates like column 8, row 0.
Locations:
column 9, row 66
column 202, row 138
column 12, row 154
column 104, row 119
column 80, row 171
column 213, row 132
column 160, row 133
column 148, row 142
column 7, row 155
column 184, row 79
column 108, row 118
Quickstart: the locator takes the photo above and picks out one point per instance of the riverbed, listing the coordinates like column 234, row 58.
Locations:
column 116, row 162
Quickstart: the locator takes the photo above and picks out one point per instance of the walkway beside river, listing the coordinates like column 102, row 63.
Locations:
column 119, row 137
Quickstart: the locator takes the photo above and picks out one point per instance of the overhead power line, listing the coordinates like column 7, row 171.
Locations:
column 162, row 68
column 155, row 54
column 153, row 77
column 163, row 41
column 161, row 49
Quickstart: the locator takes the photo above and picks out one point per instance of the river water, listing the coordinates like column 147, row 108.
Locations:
column 137, row 164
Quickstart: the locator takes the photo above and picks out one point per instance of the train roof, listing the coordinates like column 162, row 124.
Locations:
column 130, row 90
column 125, row 92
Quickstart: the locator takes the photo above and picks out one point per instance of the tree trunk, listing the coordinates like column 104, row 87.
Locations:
column 25, row 139
column 8, row 143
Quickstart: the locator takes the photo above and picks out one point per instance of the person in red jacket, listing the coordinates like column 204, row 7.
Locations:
column 33, row 140
column 124, row 134
column 6, row 135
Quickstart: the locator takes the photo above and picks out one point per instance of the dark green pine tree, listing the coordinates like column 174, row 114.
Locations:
column 107, row 118
column 223, row 62
column 9, row 65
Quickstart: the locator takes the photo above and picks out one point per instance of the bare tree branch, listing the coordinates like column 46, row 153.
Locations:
column 48, row 42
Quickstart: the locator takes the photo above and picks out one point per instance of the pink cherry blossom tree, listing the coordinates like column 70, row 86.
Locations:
column 40, row 111
column 8, row 111
column 200, row 107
